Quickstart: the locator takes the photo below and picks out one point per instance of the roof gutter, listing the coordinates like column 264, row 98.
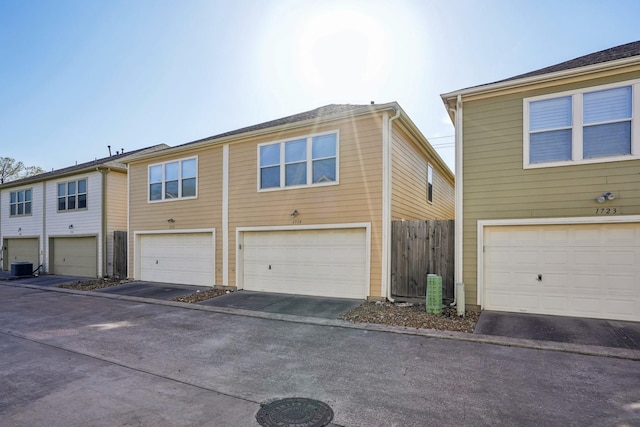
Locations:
column 542, row 78
column 376, row 108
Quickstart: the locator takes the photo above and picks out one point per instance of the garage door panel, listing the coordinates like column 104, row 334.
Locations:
column 307, row 262
column 586, row 282
column 22, row 250
column 583, row 266
column 75, row 256
column 186, row 258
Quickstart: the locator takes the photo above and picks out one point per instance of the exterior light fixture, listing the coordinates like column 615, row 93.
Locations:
column 71, row 227
column 605, row 196
column 294, row 213
column 171, row 220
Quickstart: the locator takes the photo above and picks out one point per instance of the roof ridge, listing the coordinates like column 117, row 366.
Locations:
column 323, row 111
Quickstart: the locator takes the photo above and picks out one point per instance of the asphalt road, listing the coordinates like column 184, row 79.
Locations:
column 78, row 360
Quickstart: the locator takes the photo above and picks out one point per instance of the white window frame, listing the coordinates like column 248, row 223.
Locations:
column 77, row 194
column 309, row 163
column 23, row 202
column 577, row 126
column 164, row 181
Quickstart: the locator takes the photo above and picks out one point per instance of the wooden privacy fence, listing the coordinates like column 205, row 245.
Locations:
column 419, row 248
column 120, row 254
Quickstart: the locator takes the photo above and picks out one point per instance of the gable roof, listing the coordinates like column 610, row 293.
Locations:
column 324, row 113
column 321, row 114
column 625, row 52
column 114, row 162
column 318, row 113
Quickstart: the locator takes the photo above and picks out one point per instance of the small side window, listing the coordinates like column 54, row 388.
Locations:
column 429, row 183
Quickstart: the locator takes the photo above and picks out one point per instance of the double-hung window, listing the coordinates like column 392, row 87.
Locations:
column 301, row 162
column 584, row 126
column 72, row 195
column 20, row 203
column 173, row 180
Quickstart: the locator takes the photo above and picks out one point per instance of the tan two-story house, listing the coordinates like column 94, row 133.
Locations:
column 299, row 205
column 548, row 188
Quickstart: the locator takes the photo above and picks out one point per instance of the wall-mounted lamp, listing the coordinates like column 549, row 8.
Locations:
column 294, row 213
column 171, row 220
column 19, row 229
column 71, row 227
column 605, row 196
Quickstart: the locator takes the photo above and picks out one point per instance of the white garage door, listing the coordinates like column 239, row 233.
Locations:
column 590, row 270
column 330, row 263
column 186, row 258
column 75, row 256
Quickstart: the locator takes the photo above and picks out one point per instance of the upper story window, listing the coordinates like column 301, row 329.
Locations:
column 173, row 180
column 20, row 203
column 586, row 126
column 429, row 183
column 303, row 162
column 72, row 195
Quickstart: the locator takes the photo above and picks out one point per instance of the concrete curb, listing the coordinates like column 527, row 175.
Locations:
column 588, row 350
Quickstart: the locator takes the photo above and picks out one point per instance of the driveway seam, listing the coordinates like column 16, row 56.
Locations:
column 587, row 350
column 120, row 364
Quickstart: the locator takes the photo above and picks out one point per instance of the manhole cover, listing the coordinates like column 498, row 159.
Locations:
column 295, row 412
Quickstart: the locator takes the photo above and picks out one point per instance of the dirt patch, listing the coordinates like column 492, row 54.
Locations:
column 411, row 316
column 93, row 284
column 201, row 295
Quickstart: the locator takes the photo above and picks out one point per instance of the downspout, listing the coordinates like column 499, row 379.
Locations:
column 459, row 300
column 387, row 136
column 44, row 238
column 103, row 220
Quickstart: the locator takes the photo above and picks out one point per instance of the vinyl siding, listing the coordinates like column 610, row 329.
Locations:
column 409, row 183
column 205, row 211
column 357, row 198
column 22, row 226
column 497, row 187
column 116, row 211
column 86, row 222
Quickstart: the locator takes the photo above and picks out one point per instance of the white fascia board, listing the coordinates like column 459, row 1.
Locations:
column 239, row 137
column 526, row 81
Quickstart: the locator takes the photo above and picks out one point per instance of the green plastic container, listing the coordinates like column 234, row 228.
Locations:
column 434, row 294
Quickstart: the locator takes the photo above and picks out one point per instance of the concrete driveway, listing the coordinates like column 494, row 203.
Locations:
column 576, row 330
column 76, row 359
column 298, row 305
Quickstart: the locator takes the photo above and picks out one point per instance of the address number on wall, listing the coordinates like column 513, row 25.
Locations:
column 606, row 211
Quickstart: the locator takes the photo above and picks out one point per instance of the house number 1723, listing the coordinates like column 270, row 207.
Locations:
column 606, row 211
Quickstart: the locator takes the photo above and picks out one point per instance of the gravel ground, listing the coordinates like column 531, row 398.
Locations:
column 385, row 313
column 90, row 285
column 411, row 316
column 201, row 295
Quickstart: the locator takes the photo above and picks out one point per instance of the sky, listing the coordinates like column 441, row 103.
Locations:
column 79, row 75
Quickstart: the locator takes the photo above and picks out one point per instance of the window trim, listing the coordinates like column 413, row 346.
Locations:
column 66, row 196
column 578, row 126
column 308, row 162
column 430, row 183
column 180, row 179
column 17, row 215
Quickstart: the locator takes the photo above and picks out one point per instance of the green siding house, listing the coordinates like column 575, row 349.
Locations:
column 548, row 189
